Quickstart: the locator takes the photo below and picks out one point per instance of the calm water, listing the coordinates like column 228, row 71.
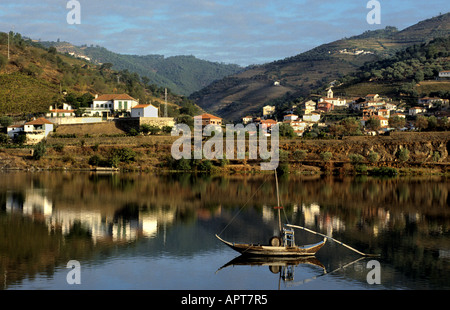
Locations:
column 141, row 231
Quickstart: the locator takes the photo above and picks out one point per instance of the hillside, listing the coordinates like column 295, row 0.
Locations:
column 408, row 74
column 247, row 92
column 35, row 78
column 182, row 74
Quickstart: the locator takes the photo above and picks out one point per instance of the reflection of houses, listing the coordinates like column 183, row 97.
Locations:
column 36, row 204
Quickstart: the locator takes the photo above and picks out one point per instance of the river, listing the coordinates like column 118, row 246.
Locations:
column 141, row 231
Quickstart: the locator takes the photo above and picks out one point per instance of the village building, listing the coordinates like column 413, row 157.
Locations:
column 108, row 104
column 290, row 117
column 207, row 119
column 337, row 102
column 325, row 106
column 313, row 117
column 384, row 122
column 268, row 110
column 35, row 130
column 444, row 74
column 66, row 111
column 308, row 106
column 430, row 102
column 416, row 110
column 144, row 110
column 298, row 126
column 247, row 119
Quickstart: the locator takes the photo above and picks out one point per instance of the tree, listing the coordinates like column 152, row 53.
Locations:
column 421, row 122
column 373, row 157
column 39, row 150
column 373, row 124
column 403, row 154
column 287, row 131
column 397, row 122
column 326, row 156
column 5, row 121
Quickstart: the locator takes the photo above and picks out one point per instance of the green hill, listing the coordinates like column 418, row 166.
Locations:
column 406, row 75
column 182, row 74
column 35, row 78
column 247, row 92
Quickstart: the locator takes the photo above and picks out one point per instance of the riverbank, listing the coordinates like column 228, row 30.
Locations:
column 408, row 153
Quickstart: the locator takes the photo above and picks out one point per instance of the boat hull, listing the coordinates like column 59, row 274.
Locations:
column 267, row 250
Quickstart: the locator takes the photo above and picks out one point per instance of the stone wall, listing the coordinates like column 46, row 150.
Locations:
column 157, row 121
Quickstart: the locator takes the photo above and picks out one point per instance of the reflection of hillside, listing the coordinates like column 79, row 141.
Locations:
column 100, row 210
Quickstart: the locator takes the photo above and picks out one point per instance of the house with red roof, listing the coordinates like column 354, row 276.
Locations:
column 207, row 119
column 35, row 130
column 144, row 110
column 105, row 105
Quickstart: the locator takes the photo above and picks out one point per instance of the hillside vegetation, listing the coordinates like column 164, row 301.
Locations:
column 238, row 95
column 35, row 78
column 182, row 74
column 408, row 74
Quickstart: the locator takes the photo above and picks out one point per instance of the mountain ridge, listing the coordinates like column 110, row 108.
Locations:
column 183, row 74
column 248, row 91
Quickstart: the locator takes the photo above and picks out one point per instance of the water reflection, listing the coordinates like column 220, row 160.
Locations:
column 49, row 218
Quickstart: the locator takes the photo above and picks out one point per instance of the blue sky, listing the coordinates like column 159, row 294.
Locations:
column 233, row 31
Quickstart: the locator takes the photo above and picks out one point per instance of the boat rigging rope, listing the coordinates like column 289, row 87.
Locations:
column 240, row 209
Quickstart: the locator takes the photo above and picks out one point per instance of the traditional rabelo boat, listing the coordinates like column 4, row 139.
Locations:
column 276, row 248
column 283, row 245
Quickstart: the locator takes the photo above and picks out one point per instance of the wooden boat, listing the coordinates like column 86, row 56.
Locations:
column 275, row 250
column 283, row 245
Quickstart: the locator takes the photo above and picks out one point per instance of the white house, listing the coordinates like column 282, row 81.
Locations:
column 335, row 101
column 313, row 117
column 416, row 110
column 64, row 112
column 444, row 74
column 298, row 126
column 268, row 110
column 308, row 106
column 247, row 119
column 290, row 117
column 144, row 110
column 35, row 130
column 110, row 103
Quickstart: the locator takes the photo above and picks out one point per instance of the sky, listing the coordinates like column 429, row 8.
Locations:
column 243, row 32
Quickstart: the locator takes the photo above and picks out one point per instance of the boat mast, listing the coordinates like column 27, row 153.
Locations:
column 278, row 200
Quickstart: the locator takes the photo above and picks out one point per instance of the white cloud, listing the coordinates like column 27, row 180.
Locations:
column 242, row 31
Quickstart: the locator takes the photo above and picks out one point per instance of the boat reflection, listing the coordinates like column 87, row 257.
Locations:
column 285, row 267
